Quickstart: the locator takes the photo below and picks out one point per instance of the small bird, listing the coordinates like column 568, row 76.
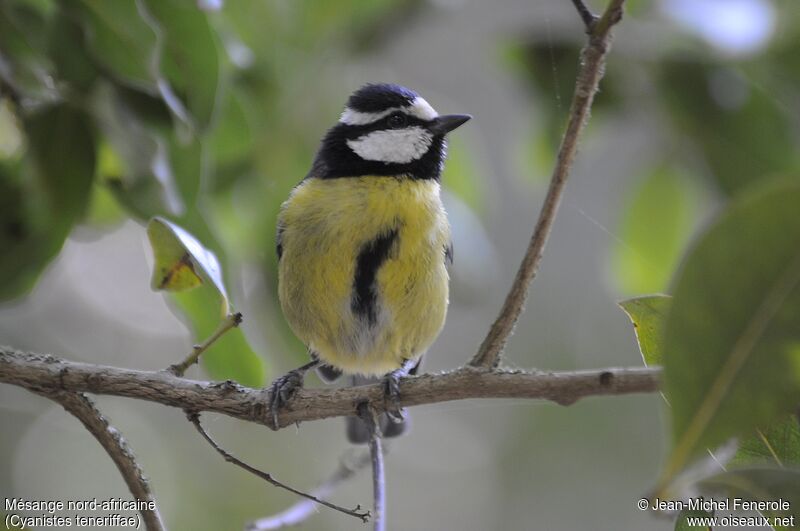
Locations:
column 363, row 242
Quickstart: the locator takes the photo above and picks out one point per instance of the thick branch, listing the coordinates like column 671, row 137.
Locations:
column 591, row 71
column 44, row 372
column 115, row 445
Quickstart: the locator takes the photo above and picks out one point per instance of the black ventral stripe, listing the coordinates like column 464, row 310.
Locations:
column 370, row 259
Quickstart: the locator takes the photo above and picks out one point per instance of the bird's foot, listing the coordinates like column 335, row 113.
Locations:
column 391, row 386
column 284, row 388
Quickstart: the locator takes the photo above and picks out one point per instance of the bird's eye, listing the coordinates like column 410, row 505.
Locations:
column 397, row 120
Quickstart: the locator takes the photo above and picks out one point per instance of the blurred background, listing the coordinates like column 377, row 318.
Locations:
column 209, row 112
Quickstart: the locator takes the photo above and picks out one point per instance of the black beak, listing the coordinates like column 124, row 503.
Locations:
column 442, row 125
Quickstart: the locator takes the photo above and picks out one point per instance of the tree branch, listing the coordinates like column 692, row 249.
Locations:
column 589, row 18
column 378, row 471
column 114, row 444
column 591, row 71
column 300, row 511
column 194, row 418
column 44, row 372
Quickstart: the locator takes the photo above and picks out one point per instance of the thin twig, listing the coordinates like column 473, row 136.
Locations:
column 303, row 509
column 378, row 473
column 231, row 321
column 40, row 371
column 194, row 418
column 591, row 71
column 589, row 18
column 115, row 446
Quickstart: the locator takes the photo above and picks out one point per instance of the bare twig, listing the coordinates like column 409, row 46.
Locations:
column 589, row 75
column 300, row 511
column 115, row 445
column 589, row 18
column 231, row 321
column 194, row 418
column 378, row 473
column 37, row 371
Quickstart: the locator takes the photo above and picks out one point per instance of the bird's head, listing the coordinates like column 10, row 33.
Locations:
column 387, row 129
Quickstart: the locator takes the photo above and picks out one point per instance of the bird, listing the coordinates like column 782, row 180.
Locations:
column 364, row 245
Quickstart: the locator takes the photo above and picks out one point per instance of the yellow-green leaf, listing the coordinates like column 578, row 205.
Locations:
column 181, row 262
column 648, row 314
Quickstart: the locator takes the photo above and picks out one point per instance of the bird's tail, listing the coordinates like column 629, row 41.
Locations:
column 357, row 431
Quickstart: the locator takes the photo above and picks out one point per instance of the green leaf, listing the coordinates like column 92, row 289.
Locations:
column 67, row 49
column 648, row 315
column 120, row 39
column 44, row 195
column 26, row 66
column 657, row 219
column 190, row 56
column 26, row 246
column 230, row 357
column 138, row 166
column 682, row 522
column 181, row 262
column 763, row 484
column 232, row 137
column 62, row 148
column 778, row 444
column 732, row 340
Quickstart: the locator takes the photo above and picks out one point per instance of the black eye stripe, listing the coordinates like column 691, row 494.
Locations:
column 355, row 131
column 397, row 120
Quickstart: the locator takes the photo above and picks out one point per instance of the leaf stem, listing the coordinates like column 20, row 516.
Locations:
column 232, row 320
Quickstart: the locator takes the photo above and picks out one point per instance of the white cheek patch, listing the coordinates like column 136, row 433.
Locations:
column 393, row 145
column 419, row 108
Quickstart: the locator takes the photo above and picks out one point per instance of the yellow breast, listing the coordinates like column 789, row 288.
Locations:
column 362, row 278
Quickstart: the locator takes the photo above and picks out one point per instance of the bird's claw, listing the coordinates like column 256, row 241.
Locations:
column 391, row 383
column 283, row 390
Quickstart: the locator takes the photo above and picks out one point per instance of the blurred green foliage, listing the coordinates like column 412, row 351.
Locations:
column 777, row 444
column 142, row 108
column 682, row 522
column 729, row 344
column 130, row 109
column 724, row 122
column 760, row 484
column 733, row 324
column 657, row 218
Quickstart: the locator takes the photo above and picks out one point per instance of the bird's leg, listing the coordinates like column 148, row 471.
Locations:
column 284, row 388
column 391, row 384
